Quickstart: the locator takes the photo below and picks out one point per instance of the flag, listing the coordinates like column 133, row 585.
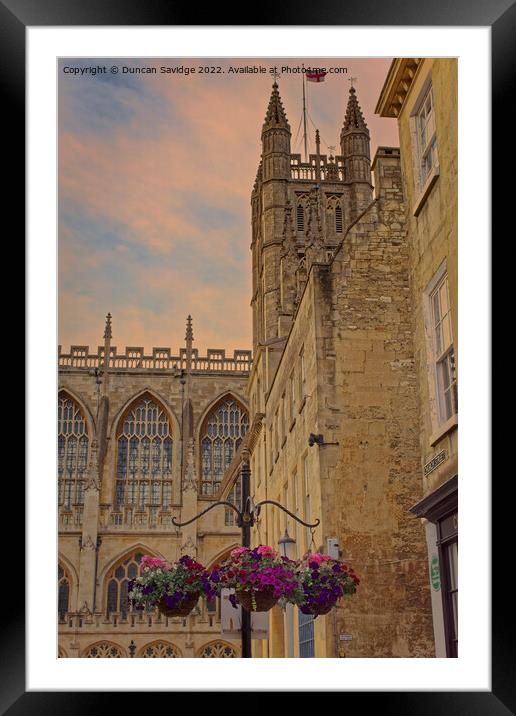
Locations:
column 315, row 76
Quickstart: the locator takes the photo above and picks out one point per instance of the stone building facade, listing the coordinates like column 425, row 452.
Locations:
column 334, row 358
column 422, row 95
column 141, row 440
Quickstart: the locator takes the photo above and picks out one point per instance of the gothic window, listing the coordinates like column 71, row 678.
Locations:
column 117, row 580
column 338, row 219
column 300, row 217
column 235, row 497
column 160, row 650
column 221, row 435
column 144, row 456
column 104, row 650
column 63, row 593
column 217, row 650
column 72, row 452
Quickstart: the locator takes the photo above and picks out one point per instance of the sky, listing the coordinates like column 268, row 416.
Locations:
column 155, row 179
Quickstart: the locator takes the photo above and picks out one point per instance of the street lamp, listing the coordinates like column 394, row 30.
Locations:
column 287, row 547
column 246, row 518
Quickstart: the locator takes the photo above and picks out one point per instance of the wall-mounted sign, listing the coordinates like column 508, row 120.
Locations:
column 231, row 619
column 345, row 637
column 435, row 462
column 435, row 574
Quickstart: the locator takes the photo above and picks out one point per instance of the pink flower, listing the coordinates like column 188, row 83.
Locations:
column 266, row 551
column 152, row 562
column 238, row 550
column 319, row 558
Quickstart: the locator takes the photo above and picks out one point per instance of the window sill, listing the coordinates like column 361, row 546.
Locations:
column 425, row 191
column 444, row 429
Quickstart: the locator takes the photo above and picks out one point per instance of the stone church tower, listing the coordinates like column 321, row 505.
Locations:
column 299, row 213
column 333, row 357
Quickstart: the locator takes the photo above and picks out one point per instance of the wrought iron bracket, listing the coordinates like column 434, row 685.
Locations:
column 249, row 515
column 277, row 504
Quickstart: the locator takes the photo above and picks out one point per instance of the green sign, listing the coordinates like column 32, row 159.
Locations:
column 435, row 576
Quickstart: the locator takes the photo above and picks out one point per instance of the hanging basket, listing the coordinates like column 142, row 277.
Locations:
column 183, row 608
column 317, row 609
column 257, row 601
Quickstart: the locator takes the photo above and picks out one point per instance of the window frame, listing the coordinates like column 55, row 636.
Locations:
column 423, row 147
column 435, row 358
column 73, row 464
column 136, row 492
column 210, row 488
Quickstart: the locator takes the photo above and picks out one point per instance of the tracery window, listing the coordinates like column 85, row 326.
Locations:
column 160, row 650
column 63, row 592
column 104, row 650
column 218, row 650
column 116, row 583
column 72, row 452
column 144, row 456
column 221, row 435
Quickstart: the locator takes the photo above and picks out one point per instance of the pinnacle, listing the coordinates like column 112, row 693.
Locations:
column 107, row 330
column 354, row 118
column 189, row 329
column 275, row 115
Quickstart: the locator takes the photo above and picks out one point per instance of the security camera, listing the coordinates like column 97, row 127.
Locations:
column 313, row 438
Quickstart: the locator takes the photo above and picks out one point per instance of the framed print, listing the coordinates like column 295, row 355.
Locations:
column 256, row 258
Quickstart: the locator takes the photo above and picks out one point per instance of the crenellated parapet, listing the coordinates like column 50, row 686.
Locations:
column 160, row 359
column 331, row 168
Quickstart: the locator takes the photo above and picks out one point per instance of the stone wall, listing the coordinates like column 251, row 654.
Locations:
column 353, row 327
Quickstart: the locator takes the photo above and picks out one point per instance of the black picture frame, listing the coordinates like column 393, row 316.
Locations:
column 500, row 16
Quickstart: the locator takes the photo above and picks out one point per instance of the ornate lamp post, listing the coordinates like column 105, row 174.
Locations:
column 246, row 518
column 287, row 547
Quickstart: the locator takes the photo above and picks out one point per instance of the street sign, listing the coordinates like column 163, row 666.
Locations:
column 435, row 462
column 435, row 574
column 231, row 619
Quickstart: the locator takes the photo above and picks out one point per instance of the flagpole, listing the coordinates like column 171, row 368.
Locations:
column 304, row 117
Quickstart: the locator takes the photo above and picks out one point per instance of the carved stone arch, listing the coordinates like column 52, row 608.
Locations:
column 116, row 578
column 213, row 403
column 117, row 418
column 200, row 426
column 70, row 568
column 160, row 649
column 222, row 554
column 66, row 590
column 81, row 402
column 218, row 649
column 120, row 556
column 104, row 649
